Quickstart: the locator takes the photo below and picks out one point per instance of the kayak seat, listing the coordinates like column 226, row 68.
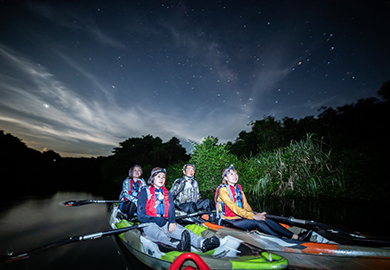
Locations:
column 305, row 236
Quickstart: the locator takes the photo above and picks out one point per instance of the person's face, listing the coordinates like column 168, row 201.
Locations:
column 190, row 171
column 137, row 172
column 159, row 180
column 232, row 177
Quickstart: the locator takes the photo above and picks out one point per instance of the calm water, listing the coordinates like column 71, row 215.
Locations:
column 356, row 216
column 32, row 222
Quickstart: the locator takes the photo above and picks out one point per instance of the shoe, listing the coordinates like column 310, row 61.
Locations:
column 213, row 217
column 185, row 242
column 210, row 243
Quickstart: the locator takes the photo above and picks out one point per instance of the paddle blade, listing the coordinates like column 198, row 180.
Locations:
column 75, row 203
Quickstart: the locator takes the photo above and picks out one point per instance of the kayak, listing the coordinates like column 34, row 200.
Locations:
column 324, row 247
column 232, row 253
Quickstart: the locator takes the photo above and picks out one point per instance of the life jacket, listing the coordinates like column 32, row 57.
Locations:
column 134, row 188
column 152, row 204
column 235, row 194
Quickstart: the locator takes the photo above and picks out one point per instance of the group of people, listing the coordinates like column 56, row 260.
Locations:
column 155, row 205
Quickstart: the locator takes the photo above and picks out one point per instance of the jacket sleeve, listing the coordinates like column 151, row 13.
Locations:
column 246, row 204
column 174, row 188
column 171, row 210
column 141, row 211
column 143, row 184
column 241, row 212
column 125, row 190
column 199, row 197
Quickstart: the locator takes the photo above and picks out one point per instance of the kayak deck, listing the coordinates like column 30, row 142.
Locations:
column 232, row 253
column 310, row 255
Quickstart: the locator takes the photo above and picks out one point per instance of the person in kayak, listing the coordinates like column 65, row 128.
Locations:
column 232, row 205
column 131, row 188
column 155, row 206
column 186, row 195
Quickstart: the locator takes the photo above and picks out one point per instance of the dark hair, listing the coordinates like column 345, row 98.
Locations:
column 154, row 172
column 132, row 170
column 188, row 164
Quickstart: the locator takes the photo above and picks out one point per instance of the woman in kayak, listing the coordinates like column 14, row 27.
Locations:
column 155, row 206
column 232, row 204
column 131, row 188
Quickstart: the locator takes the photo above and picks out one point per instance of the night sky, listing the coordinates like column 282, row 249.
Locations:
column 78, row 77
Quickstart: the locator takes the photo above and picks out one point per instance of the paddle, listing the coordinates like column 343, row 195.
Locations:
column 335, row 234
column 84, row 202
column 293, row 220
column 72, row 239
column 190, row 215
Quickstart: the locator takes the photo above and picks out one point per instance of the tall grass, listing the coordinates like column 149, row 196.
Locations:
column 302, row 169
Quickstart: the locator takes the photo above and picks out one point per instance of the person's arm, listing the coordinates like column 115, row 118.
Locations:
column 141, row 211
column 245, row 203
column 143, row 184
column 125, row 190
column 174, row 189
column 171, row 210
column 197, row 190
column 171, row 214
column 241, row 212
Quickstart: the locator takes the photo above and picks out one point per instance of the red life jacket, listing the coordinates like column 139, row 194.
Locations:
column 232, row 194
column 131, row 187
column 151, row 201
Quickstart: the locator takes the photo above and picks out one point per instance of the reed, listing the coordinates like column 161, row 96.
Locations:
column 301, row 169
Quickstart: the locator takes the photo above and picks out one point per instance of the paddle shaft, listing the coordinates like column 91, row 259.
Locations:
column 292, row 220
column 194, row 214
column 84, row 202
column 72, row 239
column 92, row 236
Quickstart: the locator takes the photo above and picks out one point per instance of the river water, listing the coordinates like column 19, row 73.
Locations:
column 35, row 221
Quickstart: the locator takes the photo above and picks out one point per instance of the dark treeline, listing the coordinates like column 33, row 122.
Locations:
column 357, row 134
column 30, row 172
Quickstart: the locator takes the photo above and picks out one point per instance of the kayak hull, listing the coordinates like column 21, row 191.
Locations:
column 309, row 255
column 233, row 253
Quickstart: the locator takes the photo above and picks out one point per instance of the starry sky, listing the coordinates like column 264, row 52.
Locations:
column 78, row 77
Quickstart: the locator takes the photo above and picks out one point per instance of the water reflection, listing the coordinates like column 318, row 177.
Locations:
column 353, row 215
column 32, row 222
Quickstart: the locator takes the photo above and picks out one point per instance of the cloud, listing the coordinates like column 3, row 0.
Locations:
column 76, row 22
column 43, row 107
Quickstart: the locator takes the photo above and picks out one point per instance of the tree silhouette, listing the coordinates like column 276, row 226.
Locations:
column 147, row 151
column 384, row 91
